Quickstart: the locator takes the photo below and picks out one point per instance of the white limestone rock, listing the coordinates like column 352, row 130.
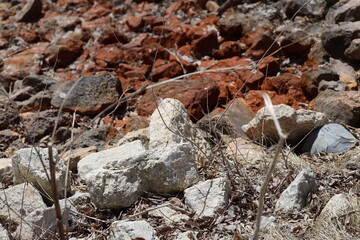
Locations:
column 294, row 196
column 3, row 233
column 120, row 182
column 27, row 167
column 19, row 201
column 97, row 160
column 208, row 198
column 297, row 123
column 128, row 230
column 170, row 124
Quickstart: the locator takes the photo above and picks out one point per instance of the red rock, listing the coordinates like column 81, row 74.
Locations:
column 166, row 70
column 282, row 83
column 204, row 45
column 109, row 56
column 198, row 96
column 134, row 22
column 65, row 50
column 25, row 63
column 145, row 54
column 96, row 24
column 229, row 49
column 174, row 7
column 98, row 10
column 109, row 36
column 138, row 72
column 31, row 12
column 261, row 45
column 29, row 36
column 269, row 66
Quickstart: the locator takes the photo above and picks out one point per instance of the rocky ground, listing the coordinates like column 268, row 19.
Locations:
column 156, row 114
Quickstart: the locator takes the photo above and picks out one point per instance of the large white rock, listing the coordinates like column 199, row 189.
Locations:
column 120, row 182
column 129, row 230
column 97, row 160
column 170, row 124
column 297, row 123
column 294, row 196
column 28, row 167
column 19, row 201
column 208, row 198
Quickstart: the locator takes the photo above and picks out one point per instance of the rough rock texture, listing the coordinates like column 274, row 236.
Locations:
column 198, row 95
column 8, row 111
column 312, row 78
column 98, row 160
column 353, row 51
column 132, row 230
column 295, row 195
column 4, row 233
column 41, row 222
column 245, row 151
column 170, row 124
column 341, row 107
column 120, row 182
column 6, row 171
column 90, row 95
column 74, row 156
column 28, row 167
column 340, row 205
column 344, row 11
column 30, row 12
column 297, row 123
column 19, row 201
column 209, row 198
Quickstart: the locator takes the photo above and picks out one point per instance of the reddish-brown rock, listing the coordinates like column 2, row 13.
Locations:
column 261, row 45
column 65, row 50
column 31, row 12
column 111, row 35
column 229, row 49
column 109, row 56
column 204, row 45
column 136, row 122
column 198, row 96
column 25, row 63
column 134, row 23
column 165, row 71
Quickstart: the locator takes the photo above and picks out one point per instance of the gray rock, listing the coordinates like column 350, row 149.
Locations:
column 140, row 134
column 344, row 11
column 170, row 124
column 330, row 138
column 353, row 51
column 295, row 195
column 118, row 181
column 337, row 38
column 42, row 123
column 7, row 137
column 90, row 95
column 231, row 26
column 340, row 107
column 94, row 137
column 6, row 171
column 28, row 167
column 126, row 230
column 312, row 78
column 8, row 111
column 38, row 102
column 4, row 235
column 347, row 73
column 267, row 222
column 41, row 222
column 315, row 9
column 340, row 205
column 19, row 201
column 24, row 89
column 295, row 122
column 209, row 198
column 169, row 215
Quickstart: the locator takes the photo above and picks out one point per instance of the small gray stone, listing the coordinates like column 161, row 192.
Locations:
column 295, row 195
column 90, row 95
column 127, row 230
column 353, row 51
column 209, row 198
